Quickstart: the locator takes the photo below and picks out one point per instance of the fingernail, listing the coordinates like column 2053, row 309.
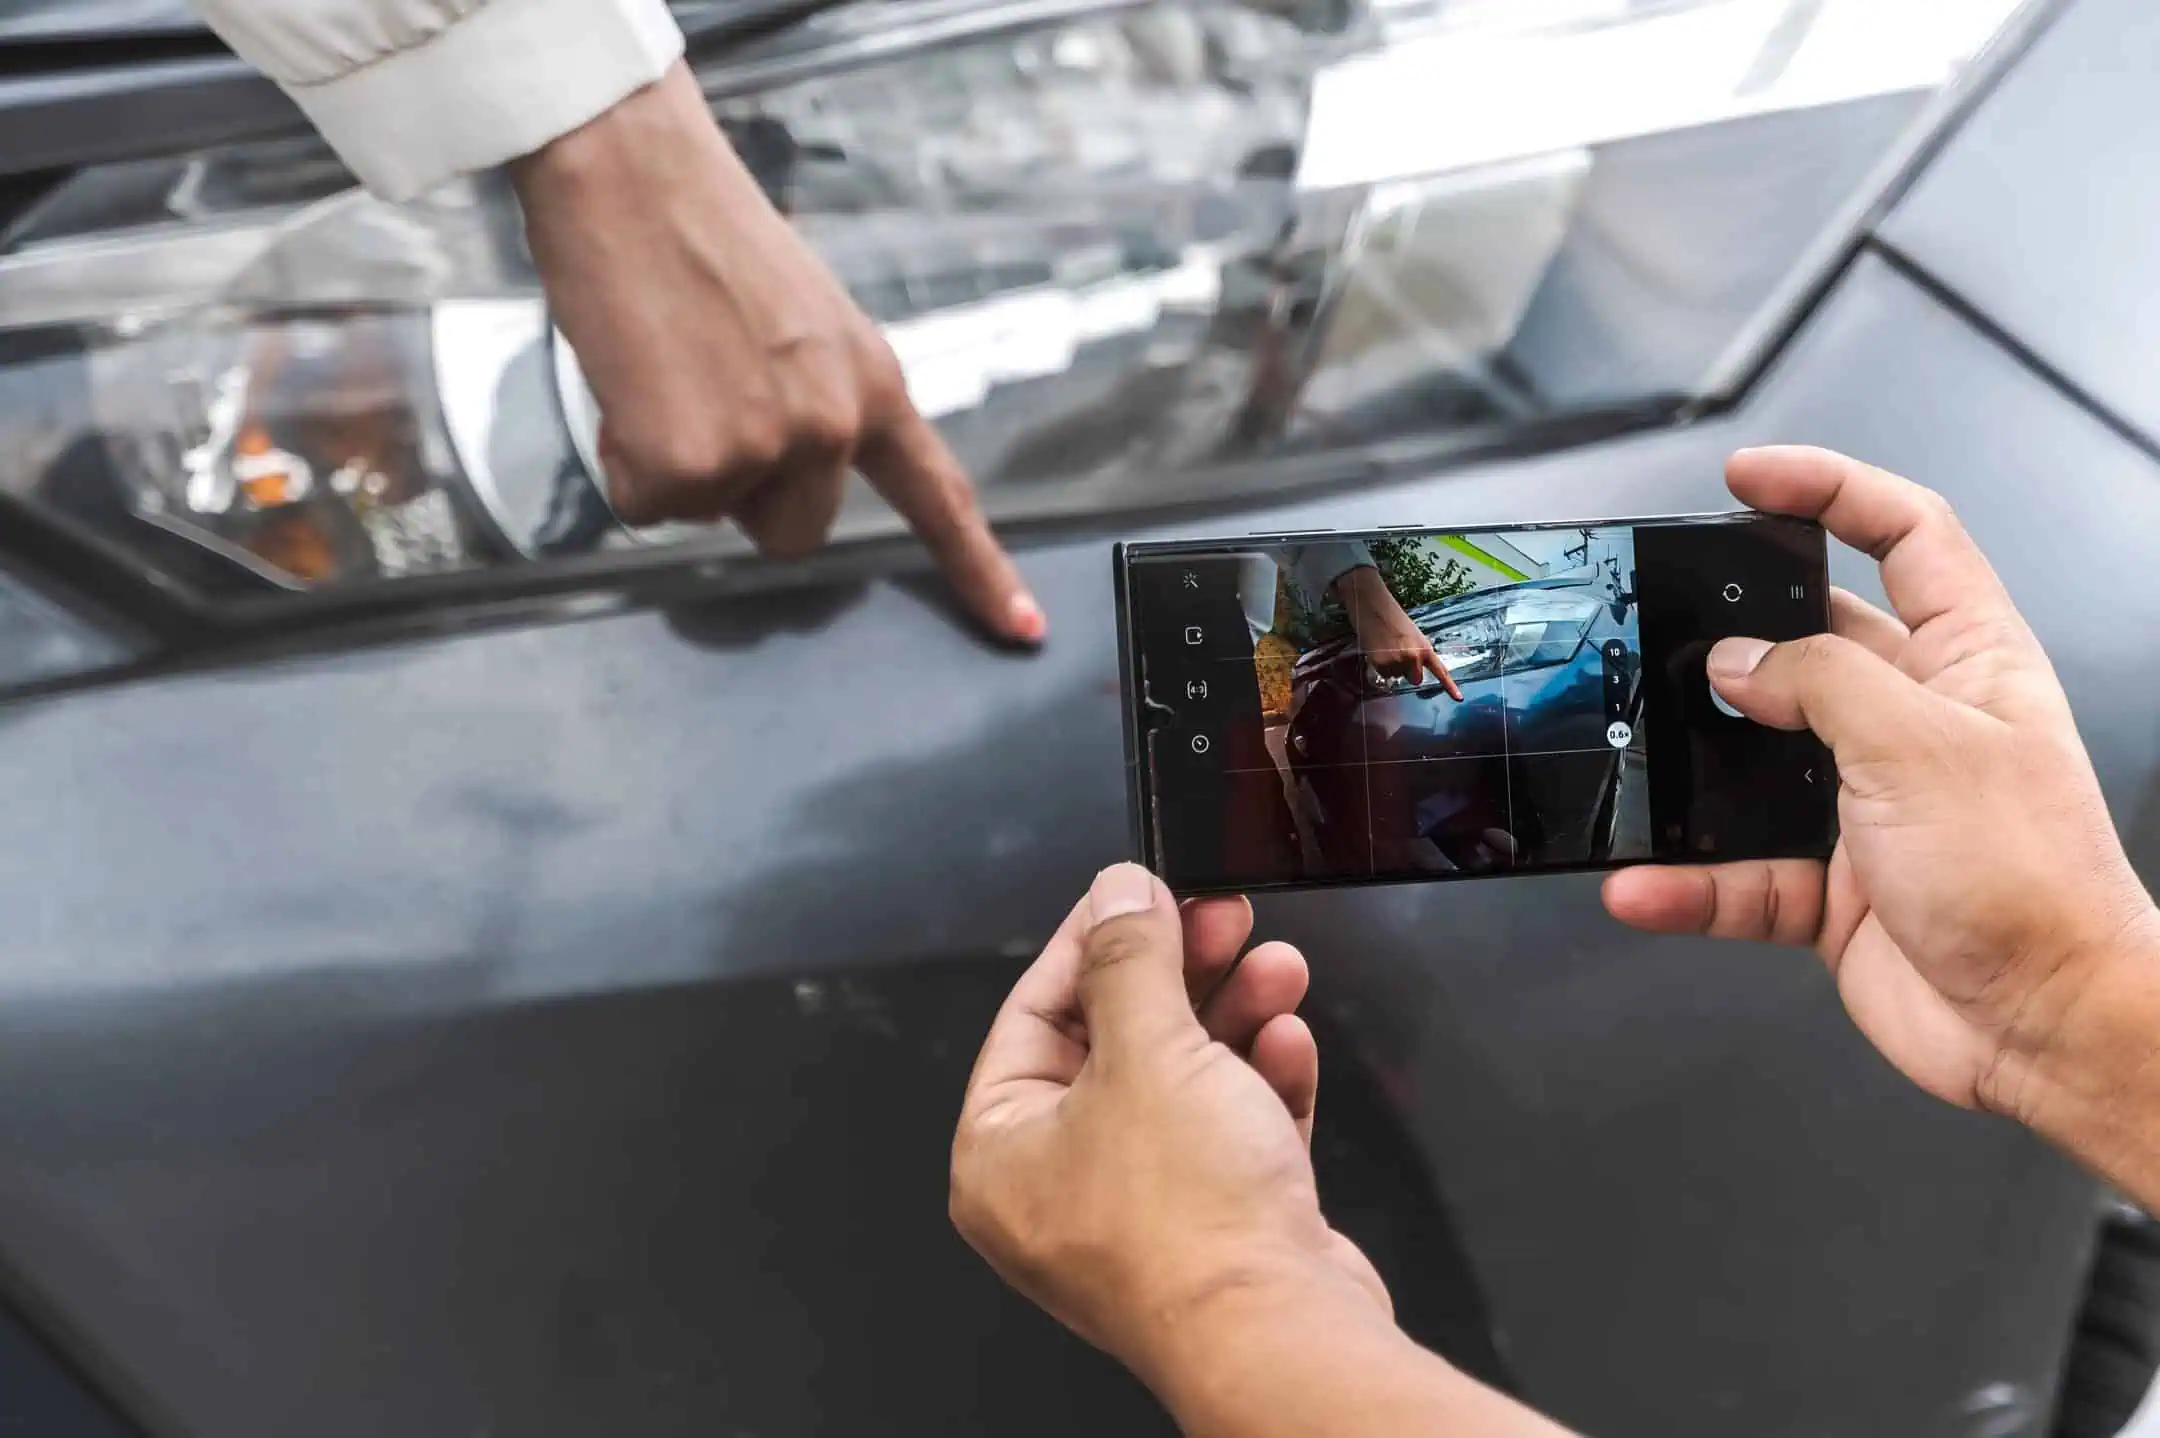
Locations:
column 1737, row 658
column 1119, row 890
column 1026, row 618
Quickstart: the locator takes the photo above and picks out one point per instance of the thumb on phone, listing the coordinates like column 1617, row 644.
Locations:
column 1860, row 704
column 1132, row 963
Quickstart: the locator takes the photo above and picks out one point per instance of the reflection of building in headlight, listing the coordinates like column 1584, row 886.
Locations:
column 954, row 358
column 1522, row 78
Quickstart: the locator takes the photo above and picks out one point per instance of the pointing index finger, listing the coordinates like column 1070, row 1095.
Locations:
column 1430, row 658
column 907, row 461
column 1930, row 565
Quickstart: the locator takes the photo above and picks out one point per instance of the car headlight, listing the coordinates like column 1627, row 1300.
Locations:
column 1535, row 630
column 1145, row 253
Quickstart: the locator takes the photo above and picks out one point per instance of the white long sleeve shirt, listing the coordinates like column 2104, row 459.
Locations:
column 1312, row 567
column 412, row 93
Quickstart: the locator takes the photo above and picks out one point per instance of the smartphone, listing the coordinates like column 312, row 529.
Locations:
column 1318, row 709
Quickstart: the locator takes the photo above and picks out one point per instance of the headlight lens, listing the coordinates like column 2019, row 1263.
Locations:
column 1535, row 630
column 1163, row 251
column 299, row 444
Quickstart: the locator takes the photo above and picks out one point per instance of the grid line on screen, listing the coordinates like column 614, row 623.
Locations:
column 1372, row 836
column 1507, row 775
column 1368, row 764
column 1549, row 694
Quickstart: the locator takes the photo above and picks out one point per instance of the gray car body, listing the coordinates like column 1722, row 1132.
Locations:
column 552, row 1025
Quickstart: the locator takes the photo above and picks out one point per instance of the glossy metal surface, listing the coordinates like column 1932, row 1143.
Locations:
column 2043, row 212
column 385, row 1051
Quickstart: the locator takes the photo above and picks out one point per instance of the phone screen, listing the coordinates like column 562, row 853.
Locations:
column 1321, row 709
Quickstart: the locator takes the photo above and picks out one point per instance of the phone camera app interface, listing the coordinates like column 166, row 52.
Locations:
column 1394, row 707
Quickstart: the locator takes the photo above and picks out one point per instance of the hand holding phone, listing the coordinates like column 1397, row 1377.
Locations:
column 1985, row 927
column 1402, row 704
column 1162, row 1204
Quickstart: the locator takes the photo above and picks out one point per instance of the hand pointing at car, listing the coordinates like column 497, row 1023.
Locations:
column 1392, row 642
column 736, row 378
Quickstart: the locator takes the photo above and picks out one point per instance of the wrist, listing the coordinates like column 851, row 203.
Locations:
column 1357, row 584
column 657, row 127
column 1198, row 1353
column 1364, row 597
column 2080, row 1060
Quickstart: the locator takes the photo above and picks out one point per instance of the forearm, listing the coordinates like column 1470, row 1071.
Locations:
column 2092, row 1085
column 1361, row 587
column 1293, row 1362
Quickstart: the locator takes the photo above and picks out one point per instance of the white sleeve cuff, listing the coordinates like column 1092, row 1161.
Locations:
column 1316, row 566
column 500, row 83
